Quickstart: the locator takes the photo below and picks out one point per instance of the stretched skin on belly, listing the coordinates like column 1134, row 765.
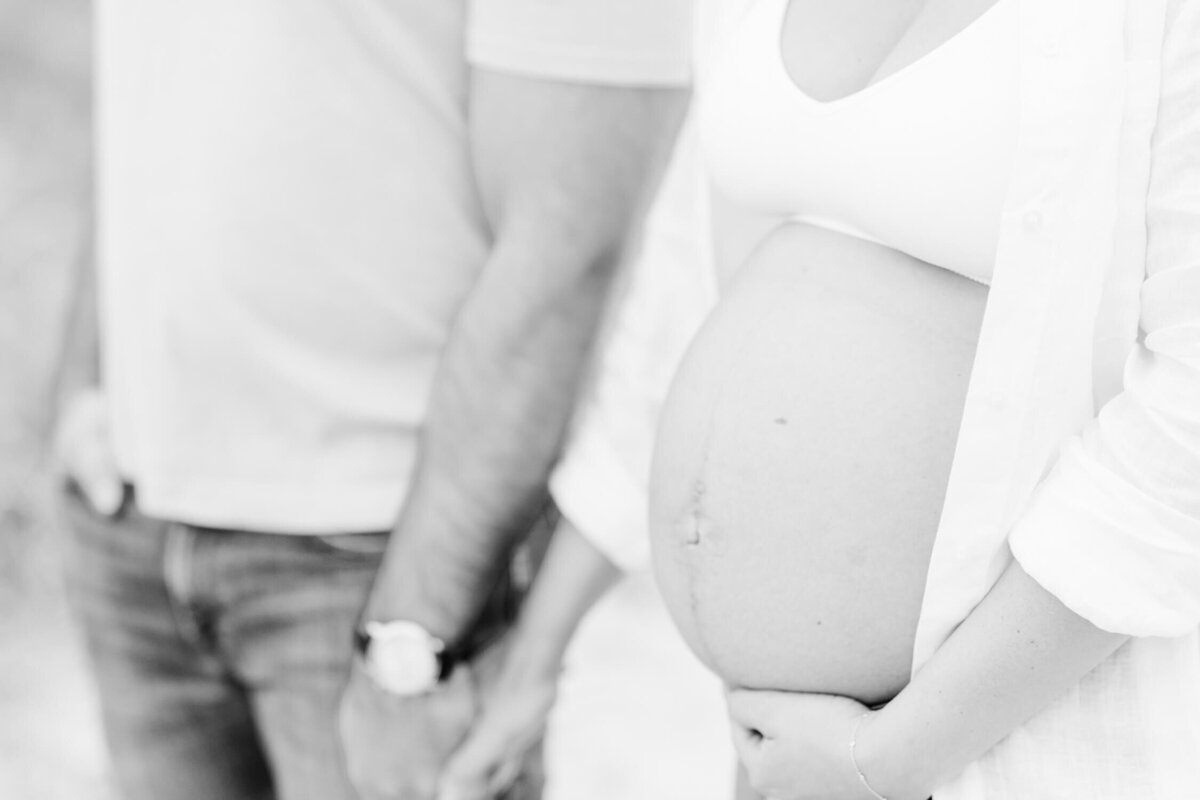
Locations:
column 802, row 462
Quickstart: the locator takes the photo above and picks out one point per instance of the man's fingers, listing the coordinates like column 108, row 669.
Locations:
column 505, row 776
column 460, row 783
column 85, row 452
column 469, row 771
column 395, row 749
column 97, row 477
column 459, row 789
column 88, row 460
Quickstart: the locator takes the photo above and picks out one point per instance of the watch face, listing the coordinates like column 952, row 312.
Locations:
column 402, row 657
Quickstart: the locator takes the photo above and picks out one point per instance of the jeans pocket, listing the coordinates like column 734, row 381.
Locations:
column 102, row 555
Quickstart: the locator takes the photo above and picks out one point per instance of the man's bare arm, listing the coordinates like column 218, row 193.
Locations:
column 565, row 172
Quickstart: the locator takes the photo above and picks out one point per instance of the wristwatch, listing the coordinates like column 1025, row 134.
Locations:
column 402, row 658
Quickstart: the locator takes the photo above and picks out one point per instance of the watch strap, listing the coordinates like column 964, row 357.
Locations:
column 494, row 620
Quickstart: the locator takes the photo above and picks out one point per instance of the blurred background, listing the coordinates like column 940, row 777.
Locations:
column 637, row 717
column 49, row 740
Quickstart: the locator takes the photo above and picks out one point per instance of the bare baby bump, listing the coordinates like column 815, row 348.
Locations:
column 802, row 462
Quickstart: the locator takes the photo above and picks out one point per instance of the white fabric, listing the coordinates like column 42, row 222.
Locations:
column 605, row 470
column 601, row 482
column 288, row 224
column 622, row 42
column 1081, row 436
column 637, row 716
column 1110, row 531
column 932, row 141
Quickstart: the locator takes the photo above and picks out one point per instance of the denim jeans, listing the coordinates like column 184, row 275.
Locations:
column 220, row 656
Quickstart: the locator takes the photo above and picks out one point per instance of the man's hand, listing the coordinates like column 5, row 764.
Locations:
column 395, row 747
column 83, row 448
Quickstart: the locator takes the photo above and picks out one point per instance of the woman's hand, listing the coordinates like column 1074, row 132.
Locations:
column 511, row 724
column 797, row 746
column 517, row 704
column 395, row 747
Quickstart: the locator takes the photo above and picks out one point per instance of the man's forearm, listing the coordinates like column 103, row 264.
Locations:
column 498, row 412
column 565, row 173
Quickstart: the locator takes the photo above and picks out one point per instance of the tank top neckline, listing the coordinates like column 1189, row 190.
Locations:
column 924, row 62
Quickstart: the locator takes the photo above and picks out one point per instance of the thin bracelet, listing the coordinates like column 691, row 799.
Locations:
column 854, row 760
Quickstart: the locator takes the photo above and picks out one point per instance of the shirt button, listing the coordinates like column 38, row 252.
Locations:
column 1051, row 48
column 1032, row 222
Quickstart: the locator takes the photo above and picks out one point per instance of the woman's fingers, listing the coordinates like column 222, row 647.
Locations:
column 748, row 715
column 795, row 745
column 489, row 759
column 748, row 744
column 755, row 710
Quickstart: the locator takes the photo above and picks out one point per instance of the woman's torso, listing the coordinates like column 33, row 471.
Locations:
column 805, row 447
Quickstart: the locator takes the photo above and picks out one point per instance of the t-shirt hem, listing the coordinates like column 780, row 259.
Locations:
column 578, row 64
column 275, row 508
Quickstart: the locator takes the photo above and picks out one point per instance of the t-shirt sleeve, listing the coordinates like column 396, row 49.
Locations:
column 617, row 42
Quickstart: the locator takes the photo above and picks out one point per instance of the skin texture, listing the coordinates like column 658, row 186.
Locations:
column 1017, row 651
column 1013, row 655
column 572, row 578
column 759, row 476
column 832, row 50
column 564, row 173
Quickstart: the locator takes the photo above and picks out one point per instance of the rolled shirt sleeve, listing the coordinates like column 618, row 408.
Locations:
column 618, row 42
column 601, row 482
column 600, row 488
column 1114, row 529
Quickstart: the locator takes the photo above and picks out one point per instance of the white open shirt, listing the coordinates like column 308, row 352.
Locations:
column 1079, row 451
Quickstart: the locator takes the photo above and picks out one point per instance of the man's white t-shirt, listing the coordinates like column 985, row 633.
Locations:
column 287, row 225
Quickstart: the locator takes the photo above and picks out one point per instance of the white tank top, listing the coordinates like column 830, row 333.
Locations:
column 918, row 161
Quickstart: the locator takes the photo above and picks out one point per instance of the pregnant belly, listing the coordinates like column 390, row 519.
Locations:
column 802, row 462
